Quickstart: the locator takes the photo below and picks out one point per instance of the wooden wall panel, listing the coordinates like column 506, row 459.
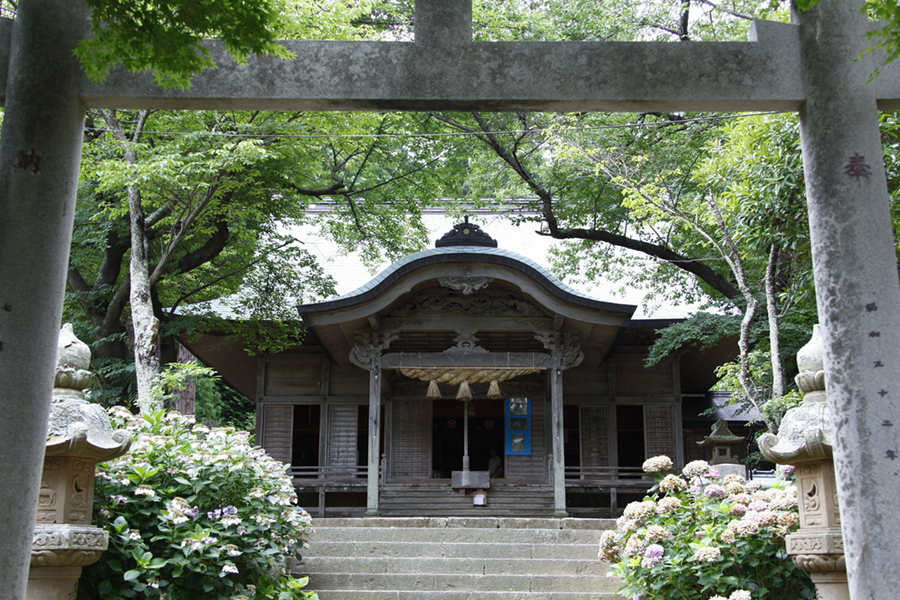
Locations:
column 594, row 425
column 278, row 427
column 297, row 376
column 342, row 429
column 534, row 467
column 411, row 439
column 586, row 381
column 349, row 381
column 659, row 431
column 634, row 379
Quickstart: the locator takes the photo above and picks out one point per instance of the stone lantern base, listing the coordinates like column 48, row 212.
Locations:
column 58, row 553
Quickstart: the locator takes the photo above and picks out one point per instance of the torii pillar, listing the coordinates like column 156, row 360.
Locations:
column 857, row 288
column 809, row 68
column 40, row 152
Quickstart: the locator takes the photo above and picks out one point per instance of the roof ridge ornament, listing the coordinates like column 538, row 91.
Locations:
column 466, row 234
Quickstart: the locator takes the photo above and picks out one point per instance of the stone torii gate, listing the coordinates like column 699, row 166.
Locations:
column 807, row 67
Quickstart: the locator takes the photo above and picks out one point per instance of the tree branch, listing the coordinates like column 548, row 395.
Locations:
column 243, row 267
column 208, row 251
column 692, row 265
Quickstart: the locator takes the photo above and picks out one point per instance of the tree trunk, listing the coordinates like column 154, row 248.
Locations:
column 774, row 325
column 184, row 401
column 143, row 320
column 732, row 256
column 146, row 325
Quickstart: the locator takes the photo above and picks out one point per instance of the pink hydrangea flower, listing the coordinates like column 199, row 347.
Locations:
column 652, row 556
column 714, row 491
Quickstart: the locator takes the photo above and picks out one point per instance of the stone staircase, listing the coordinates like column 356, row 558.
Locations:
column 436, row 498
column 457, row 558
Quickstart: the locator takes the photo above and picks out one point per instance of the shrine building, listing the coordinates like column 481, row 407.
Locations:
column 465, row 379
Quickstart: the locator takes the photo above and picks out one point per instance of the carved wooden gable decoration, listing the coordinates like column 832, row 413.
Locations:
column 452, row 302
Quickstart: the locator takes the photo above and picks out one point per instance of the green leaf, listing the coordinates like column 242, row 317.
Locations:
column 105, row 587
column 132, row 575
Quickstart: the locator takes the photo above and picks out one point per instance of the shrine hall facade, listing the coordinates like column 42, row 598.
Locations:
column 466, row 379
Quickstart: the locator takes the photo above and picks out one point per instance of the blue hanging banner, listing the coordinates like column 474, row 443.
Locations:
column 518, row 427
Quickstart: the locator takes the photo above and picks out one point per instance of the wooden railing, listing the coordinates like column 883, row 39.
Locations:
column 329, row 476
column 611, row 480
column 323, row 475
column 622, row 476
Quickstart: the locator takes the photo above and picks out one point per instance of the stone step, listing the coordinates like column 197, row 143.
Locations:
column 450, row 550
column 414, row 511
column 457, row 558
column 456, row 535
column 468, row 523
column 452, row 566
column 460, row 595
column 426, row 582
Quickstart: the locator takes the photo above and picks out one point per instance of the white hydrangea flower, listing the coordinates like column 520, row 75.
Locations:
column 668, row 505
column 707, row 554
column 144, row 490
column 657, row 464
column 639, row 511
column 788, row 519
column 672, row 483
column 656, row 533
column 695, row 468
column 733, row 478
column 229, row 567
column 634, row 546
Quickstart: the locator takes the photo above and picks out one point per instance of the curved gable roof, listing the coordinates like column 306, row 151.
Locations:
column 456, row 254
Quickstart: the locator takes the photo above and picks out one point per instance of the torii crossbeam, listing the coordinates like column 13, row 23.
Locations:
column 808, row 67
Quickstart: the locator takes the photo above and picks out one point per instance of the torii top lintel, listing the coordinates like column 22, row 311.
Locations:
column 444, row 70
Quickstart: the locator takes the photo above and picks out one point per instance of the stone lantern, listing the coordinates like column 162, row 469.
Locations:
column 721, row 442
column 79, row 436
column 804, row 440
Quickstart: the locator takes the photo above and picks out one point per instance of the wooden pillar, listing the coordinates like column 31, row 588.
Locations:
column 374, row 436
column 566, row 353
column 366, row 354
column 556, row 427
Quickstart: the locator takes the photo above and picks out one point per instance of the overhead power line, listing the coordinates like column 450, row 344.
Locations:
column 308, row 136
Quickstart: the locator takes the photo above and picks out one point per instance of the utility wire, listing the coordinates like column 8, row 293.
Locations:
column 308, row 136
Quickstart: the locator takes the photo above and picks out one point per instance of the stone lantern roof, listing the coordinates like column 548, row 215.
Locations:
column 77, row 427
column 721, row 436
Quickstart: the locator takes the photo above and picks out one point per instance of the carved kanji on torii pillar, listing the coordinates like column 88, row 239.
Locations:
column 366, row 354
column 810, row 67
column 566, row 353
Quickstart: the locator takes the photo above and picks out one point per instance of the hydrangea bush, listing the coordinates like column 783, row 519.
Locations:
column 194, row 513
column 699, row 536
